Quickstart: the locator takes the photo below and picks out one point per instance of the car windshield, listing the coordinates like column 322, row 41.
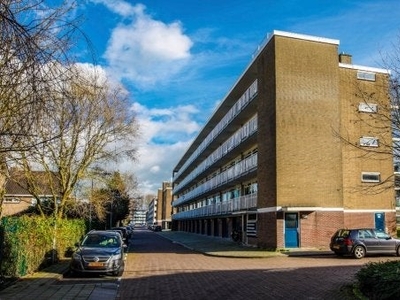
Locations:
column 98, row 240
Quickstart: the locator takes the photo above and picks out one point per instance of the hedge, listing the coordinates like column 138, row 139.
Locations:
column 30, row 243
column 379, row 280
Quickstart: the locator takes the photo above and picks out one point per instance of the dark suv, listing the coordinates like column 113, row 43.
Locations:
column 362, row 241
column 99, row 252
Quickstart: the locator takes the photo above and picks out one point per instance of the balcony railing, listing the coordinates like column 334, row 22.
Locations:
column 239, row 169
column 242, row 102
column 241, row 203
column 229, row 145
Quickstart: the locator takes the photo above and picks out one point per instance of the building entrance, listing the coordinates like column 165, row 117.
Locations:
column 291, row 230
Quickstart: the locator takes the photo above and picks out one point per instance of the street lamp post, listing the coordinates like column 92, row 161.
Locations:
column 111, row 213
column 90, row 207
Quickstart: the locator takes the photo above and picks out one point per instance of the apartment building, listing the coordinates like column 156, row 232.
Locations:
column 164, row 209
column 160, row 209
column 151, row 214
column 294, row 151
column 139, row 217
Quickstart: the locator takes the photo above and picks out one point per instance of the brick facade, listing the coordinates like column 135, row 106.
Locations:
column 309, row 173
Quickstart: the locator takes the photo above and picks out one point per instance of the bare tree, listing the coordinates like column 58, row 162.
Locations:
column 35, row 40
column 94, row 125
column 391, row 61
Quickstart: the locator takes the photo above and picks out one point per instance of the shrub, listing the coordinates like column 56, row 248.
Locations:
column 380, row 280
column 29, row 243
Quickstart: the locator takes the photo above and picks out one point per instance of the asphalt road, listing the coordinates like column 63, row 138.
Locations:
column 160, row 269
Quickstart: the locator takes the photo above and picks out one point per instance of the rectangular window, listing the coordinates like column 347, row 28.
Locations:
column 12, row 200
column 367, row 107
column 363, row 75
column 367, row 141
column 370, row 177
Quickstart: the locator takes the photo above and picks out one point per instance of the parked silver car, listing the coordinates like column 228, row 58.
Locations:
column 99, row 252
column 363, row 241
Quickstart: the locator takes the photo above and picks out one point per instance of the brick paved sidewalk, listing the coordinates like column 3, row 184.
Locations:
column 41, row 286
column 224, row 247
column 27, row 287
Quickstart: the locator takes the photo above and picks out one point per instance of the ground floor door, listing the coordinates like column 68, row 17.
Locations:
column 380, row 221
column 291, row 230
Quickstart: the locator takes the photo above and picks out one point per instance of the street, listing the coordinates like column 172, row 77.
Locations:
column 158, row 266
column 159, row 269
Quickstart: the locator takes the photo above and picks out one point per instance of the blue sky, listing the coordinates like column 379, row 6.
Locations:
column 179, row 58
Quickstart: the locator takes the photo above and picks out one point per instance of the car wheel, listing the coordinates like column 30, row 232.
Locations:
column 71, row 273
column 359, row 252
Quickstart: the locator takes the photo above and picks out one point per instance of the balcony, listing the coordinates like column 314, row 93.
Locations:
column 235, row 110
column 245, row 202
column 240, row 169
column 239, row 137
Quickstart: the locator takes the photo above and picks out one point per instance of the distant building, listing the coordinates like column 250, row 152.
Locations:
column 18, row 200
column 151, row 213
column 160, row 208
column 164, row 207
column 139, row 217
column 270, row 161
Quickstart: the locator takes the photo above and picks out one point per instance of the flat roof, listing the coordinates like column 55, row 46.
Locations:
column 304, row 37
column 364, row 68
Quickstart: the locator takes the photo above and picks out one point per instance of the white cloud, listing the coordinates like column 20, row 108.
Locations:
column 121, row 8
column 154, row 165
column 143, row 50
column 155, row 169
column 149, row 53
column 167, row 125
column 165, row 135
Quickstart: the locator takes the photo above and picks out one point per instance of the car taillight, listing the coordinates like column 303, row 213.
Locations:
column 348, row 242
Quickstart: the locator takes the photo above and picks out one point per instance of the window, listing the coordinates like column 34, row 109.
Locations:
column 370, row 177
column 12, row 200
column 247, row 189
column 366, row 234
column 363, row 75
column 367, row 107
column 254, row 188
column 367, row 141
column 225, row 196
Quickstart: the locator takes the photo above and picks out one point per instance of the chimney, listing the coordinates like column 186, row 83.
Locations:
column 345, row 58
